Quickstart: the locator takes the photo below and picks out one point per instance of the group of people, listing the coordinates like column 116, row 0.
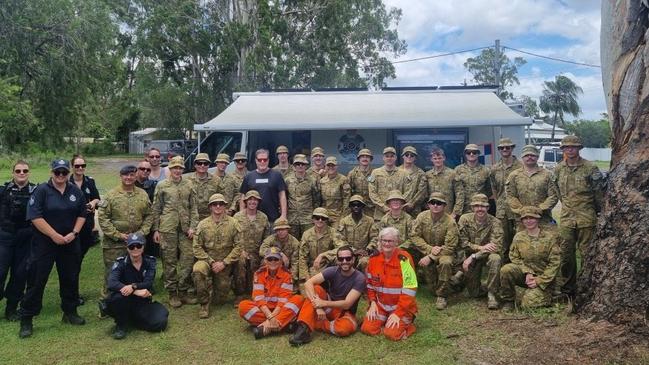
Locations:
column 302, row 243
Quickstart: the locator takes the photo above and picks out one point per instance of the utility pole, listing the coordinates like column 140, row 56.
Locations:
column 497, row 63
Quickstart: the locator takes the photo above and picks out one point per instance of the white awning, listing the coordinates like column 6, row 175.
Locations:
column 261, row 111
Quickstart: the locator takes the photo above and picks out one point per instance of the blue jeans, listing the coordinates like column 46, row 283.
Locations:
column 14, row 251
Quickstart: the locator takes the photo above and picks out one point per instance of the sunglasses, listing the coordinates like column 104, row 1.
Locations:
column 240, row 161
column 409, row 155
column 471, row 153
column 436, row 202
column 345, row 258
column 61, row 172
column 23, row 171
column 262, row 160
column 144, row 169
column 137, row 245
column 299, row 164
column 505, row 148
column 201, row 163
column 219, row 204
column 154, row 156
column 319, row 218
column 272, row 259
column 80, row 166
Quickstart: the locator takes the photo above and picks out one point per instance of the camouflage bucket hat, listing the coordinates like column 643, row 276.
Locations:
column 480, row 199
column 320, row 212
column 395, row 194
column 530, row 211
column 506, row 142
column 364, row 152
column 437, row 196
column 222, row 157
column 281, row 223
column 331, row 160
column 217, row 198
column 356, row 198
column 202, row 157
column 240, row 156
column 177, row 161
column 389, row 150
column 252, row 194
column 472, row 147
column 571, row 141
column 317, row 151
column 410, row 149
column 281, row 149
column 299, row 158
column 529, row 150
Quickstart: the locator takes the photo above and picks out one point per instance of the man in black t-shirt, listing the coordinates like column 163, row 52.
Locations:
column 333, row 310
column 270, row 185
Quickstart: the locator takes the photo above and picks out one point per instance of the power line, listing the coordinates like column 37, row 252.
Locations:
column 553, row 58
column 441, row 55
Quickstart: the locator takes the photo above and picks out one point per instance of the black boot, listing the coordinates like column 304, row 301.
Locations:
column 301, row 336
column 26, row 327
column 11, row 313
column 119, row 332
column 73, row 318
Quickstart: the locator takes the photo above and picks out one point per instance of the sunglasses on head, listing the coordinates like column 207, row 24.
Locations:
column 319, row 218
column 505, row 148
column 80, row 166
column 154, row 156
column 472, row 153
column 144, row 169
column 133, row 247
column 345, row 258
column 436, row 202
column 61, row 172
column 23, row 171
column 272, row 259
column 201, row 163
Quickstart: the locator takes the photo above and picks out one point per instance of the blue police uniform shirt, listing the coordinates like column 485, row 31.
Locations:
column 60, row 211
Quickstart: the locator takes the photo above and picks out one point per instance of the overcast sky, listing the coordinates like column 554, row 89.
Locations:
column 567, row 29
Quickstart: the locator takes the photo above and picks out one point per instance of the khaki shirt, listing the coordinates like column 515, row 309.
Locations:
column 174, row 206
column 313, row 245
column 581, row 190
column 303, row 196
column 311, row 171
column 381, row 182
column 539, row 256
column 359, row 182
column 403, row 223
column 538, row 189
column 474, row 234
column 357, row 235
column 230, row 189
column 289, row 247
column 427, row 233
column 253, row 232
column 335, row 196
column 447, row 183
column 124, row 212
column 218, row 241
column 499, row 174
column 474, row 180
column 415, row 188
column 285, row 172
column 204, row 188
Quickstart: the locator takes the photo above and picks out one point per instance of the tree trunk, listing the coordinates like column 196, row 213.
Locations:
column 614, row 283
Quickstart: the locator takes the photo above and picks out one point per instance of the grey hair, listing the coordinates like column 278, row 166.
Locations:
column 260, row 151
column 389, row 231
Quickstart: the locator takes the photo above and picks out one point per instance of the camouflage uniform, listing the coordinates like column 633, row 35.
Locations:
column 285, row 172
column 539, row 256
column 289, row 247
column 220, row 182
column 335, row 197
column 475, row 180
column 303, row 195
column 252, row 234
column 581, row 192
column 357, row 235
column 381, row 182
column 404, row 223
column 174, row 214
column 359, row 183
column 538, row 189
column 447, row 183
column 313, row 172
column 427, row 233
column 472, row 236
column 415, row 188
column 203, row 189
column 213, row 242
column 122, row 212
column 312, row 245
column 499, row 174
column 230, row 190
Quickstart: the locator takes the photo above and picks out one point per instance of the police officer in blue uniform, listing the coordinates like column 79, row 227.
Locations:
column 15, row 237
column 57, row 210
column 130, row 282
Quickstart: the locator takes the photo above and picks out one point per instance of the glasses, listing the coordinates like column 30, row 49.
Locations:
column 436, row 202
column 409, row 155
column 262, row 160
column 80, row 166
column 201, row 163
column 272, row 259
column 299, row 164
column 61, row 172
column 144, row 169
column 154, row 156
column 23, row 171
column 137, row 245
column 505, row 148
column 219, row 204
column 240, row 161
column 471, row 153
column 345, row 258
column 319, row 218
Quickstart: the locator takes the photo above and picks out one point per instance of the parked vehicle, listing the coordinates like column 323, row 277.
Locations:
column 173, row 147
column 550, row 156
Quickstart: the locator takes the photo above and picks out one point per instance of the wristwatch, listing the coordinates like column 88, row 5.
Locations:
column 473, row 256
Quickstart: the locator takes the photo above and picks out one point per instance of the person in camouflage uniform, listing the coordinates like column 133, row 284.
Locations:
column 125, row 209
column 481, row 237
column 287, row 244
column 357, row 230
column 175, row 217
column 318, row 246
column 443, row 179
column 535, row 258
column 203, row 184
column 283, row 166
column 580, row 185
column 335, row 191
column 474, row 176
column 358, row 179
column 499, row 174
column 303, row 197
column 222, row 161
column 396, row 218
column 383, row 180
column 216, row 248
column 415, row 184
column 254, row 228
column 531, row 185
column 435, row 236
column 232, row 182
column 317, row 169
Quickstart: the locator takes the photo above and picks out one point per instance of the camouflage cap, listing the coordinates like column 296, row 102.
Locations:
column 571, row 141
column 389, row 150
column 529, row 150
column 135, row 238
column 217, row 198
column 357, row 198
column 240, row 156
column 395, row 194
column 222, row 157
column 177, row 161
column 506, row 142
column 317, row 151
column 202, row 157
column 281, row 149
column 530, row 211
column 437, row 196
column 251, row 194
column 320, row 212
column 479, row 199
column 273, row 252
column 410, row 149
column 300, row 158
column 281, row 223
column 364, row 152
column 331, row 160
column 472, row 147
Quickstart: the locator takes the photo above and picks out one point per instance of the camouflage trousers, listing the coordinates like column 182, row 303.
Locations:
column 571, row 240
column 437, row 273
column 509, row 230
column 473, row 276
column 511, row 276
column 210, row 286
column 243, row 275
column 111, row 250
column 177, row 260
column 298, row 229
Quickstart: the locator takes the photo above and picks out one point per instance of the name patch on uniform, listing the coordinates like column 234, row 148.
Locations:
column 261, row 181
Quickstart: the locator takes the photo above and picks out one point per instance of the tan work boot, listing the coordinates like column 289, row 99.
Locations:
column 174, row 301
column 204, row 312
column 188, row 298
column 441, row 303
column 508, row 307
column 492, row 302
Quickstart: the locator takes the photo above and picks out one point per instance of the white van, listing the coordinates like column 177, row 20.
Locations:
column 550, row 156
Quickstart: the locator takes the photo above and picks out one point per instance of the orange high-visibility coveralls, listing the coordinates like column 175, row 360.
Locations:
column 271, row 291
column 339, row 322
column 385, row 287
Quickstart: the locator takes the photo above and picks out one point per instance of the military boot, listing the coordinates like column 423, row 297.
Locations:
column 508, row 306
column 11, row 312
column 492, row 302
column 73, row 318
column 187, row 298
column 441, row 303
column 301, row 336
column 26, row 327
column 204, row 311
column 119, row 332
column 174, row 300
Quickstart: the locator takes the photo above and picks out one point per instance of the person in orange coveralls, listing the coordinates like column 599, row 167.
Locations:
column 273, row 305
column 391, row 290
column 333, row 310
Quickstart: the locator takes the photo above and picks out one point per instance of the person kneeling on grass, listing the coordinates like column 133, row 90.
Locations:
column 130, row 282
column 332, row 310
column 273, row 305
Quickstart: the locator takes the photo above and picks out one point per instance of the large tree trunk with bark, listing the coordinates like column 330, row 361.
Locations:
column 614, row 284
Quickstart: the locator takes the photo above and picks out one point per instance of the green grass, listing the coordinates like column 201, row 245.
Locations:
column 603, row 165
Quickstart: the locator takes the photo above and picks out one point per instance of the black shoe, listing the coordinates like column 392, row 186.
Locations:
column 119, row 332
column 82, row 301
column 73, row 318
column 291, row 327
column 301, row 336
column 258, row 332
column 26, row 328
column 103, row 308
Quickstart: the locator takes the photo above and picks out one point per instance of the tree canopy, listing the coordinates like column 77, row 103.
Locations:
column 559, row 98
column 487, row 66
